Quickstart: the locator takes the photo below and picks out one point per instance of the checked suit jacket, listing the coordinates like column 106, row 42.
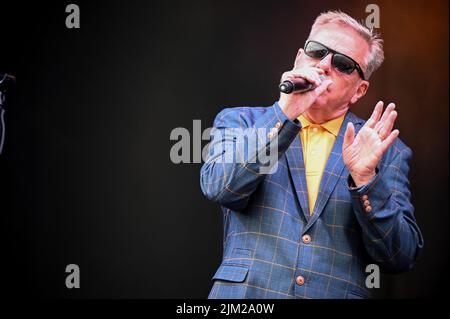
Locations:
column 266, row 216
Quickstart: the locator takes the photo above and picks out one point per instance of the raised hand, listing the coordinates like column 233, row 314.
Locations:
column 362, row 153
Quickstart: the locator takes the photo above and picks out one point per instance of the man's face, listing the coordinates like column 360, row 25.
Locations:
column 345, row 40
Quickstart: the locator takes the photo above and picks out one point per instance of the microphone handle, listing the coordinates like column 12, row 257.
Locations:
column 7, row 77
column 299, row 85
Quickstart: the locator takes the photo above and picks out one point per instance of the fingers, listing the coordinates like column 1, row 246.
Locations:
column 387, row 126
column 349, row 136
column 321, row 88
column 376, row 114
column 389, row 140
column 382, row 122
column 311, row 74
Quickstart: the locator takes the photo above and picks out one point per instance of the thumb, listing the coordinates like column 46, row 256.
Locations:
column 322, row 87
column 349, row 136
column 297, row 58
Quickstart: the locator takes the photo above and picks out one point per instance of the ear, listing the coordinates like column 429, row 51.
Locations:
column 361, row 90
column 297, row 58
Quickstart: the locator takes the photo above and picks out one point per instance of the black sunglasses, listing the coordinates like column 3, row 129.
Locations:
column 341, row 62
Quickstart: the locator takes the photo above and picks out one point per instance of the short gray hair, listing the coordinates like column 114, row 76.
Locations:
column 376, row 55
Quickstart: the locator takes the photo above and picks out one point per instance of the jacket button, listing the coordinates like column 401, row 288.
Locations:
column 300, row 280
column 368, row 209
column 306, row 239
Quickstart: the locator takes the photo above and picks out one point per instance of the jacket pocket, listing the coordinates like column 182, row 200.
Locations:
column 231, row 272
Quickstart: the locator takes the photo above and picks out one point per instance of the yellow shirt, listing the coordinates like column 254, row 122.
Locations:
column 317, row 142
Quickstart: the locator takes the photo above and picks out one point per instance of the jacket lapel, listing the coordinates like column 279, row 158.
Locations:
column 333, row 170
column 294, row 156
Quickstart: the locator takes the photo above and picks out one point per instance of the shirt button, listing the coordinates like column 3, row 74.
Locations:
column 368, row 209
column 365, row 197
column 278, row 125
column 366, row 203
column 314, row 129
column 300, row 280
column 306, row 239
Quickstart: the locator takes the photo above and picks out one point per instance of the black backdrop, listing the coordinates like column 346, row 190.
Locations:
column 86, row 176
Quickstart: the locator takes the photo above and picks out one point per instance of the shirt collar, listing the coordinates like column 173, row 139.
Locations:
column 333, row 126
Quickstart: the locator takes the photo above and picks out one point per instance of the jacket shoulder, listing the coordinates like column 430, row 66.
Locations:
column 240, row 116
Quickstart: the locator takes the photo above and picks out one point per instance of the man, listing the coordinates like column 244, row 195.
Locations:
column 338, row 199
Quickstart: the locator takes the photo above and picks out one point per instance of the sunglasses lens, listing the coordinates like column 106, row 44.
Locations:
column 316, row 50
column 343, row 64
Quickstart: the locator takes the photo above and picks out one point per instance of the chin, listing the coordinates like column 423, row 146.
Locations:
column 320, row 103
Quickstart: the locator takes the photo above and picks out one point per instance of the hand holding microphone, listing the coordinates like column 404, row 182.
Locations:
column 299, row 85
column 300, row 88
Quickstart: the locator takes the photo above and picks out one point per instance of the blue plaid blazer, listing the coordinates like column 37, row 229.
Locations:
column 266, row 216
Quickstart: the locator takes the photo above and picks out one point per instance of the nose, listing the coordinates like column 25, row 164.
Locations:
column 325, row 64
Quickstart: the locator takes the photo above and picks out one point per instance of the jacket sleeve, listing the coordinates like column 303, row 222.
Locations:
column 386, row 215
column 244, row 148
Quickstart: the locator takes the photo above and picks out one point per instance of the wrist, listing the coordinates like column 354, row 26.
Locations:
column 362, row 179
column 291, row 112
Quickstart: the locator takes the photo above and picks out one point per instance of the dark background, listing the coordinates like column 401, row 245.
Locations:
column 86, row 176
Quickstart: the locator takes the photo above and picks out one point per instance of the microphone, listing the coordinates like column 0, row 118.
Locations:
column 7, row 77
column 6, row 81
column 298, row 85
